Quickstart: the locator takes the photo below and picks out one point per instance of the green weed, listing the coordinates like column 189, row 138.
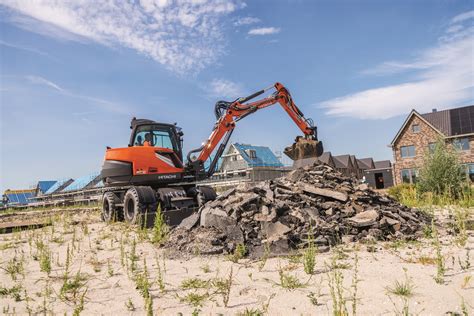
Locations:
column 402, row 288
column 288, row 281
column 14, row 267
column 160, row 229
column 223, row 286
column 239, row 252
column 309, row 256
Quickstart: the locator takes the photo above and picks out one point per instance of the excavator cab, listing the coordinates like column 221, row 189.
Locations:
column 154, row 156
column 154, row 134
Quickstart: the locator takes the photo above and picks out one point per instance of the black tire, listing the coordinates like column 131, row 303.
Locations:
column 110, row 212
column 133, row 208
column 140, row 205
column 205, row 194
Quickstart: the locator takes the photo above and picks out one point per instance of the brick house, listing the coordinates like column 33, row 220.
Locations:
column 419, row 134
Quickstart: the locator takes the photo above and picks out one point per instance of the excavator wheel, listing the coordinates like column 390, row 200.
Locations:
column 204, row 194
column 140, row 206
column 110, row 211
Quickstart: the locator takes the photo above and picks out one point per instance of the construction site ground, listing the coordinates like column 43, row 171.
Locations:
column 103, row 274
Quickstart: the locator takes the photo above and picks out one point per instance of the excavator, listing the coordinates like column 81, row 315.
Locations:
column 151, row 172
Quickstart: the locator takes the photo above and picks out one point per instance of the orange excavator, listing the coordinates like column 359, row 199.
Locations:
column 151, row 170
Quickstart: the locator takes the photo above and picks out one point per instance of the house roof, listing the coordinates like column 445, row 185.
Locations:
column 440, row 120
column 354, row 161
column 326, row 157
column 19, row 196
column 449, row 123
column 59, row 185
column 342, row 161
column 264, row 157
column 82, row 182
column 383, row 164
column 366, row 163
column 44, row 185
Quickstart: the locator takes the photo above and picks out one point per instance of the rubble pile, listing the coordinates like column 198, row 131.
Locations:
column 315, row 201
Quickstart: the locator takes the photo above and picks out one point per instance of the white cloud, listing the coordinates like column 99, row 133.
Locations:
column 246, row 21
column 454, row 28
column 463, row 17
column 26, row 49
column 264, row 31
column 443, row 77
column 42, row 81
column 106, row 105
column 223, row 88
column 183, row 35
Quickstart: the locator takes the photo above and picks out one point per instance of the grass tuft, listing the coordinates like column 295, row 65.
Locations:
column 402, row 288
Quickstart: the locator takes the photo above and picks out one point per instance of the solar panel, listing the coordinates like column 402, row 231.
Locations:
column 82, row 182
column 462, row 120
column 19, row 198
column 56, row 186
column 44, row 186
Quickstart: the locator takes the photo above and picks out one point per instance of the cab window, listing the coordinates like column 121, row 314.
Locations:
column 153, row 136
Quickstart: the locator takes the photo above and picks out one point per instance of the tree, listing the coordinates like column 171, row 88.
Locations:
column 442, row 172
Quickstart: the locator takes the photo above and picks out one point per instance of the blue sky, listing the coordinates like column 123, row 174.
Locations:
column 73, row 75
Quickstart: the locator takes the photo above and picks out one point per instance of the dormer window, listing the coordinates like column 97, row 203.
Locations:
column 251, row 153
column 415, row 128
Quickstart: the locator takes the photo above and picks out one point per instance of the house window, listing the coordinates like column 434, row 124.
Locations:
column 409, row 175
column 415, row 128
column 407, row 151
column 469, row 169
column 432, row 147
column 461, row 143
column 405, row 175
column 251, row 153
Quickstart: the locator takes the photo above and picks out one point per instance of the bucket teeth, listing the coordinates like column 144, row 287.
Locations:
column 304, row 148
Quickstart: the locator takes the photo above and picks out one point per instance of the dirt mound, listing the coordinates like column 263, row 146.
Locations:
column 314, row 201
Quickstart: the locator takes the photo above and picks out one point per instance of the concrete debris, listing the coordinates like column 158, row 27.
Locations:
column 281, row 214
column 274, row 231
column 364, row 219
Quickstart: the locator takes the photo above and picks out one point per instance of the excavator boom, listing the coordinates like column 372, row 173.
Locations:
column 228, row 113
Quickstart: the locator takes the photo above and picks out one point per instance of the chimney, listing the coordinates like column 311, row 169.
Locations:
column 435, row 110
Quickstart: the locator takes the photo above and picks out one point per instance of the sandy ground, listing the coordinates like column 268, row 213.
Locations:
column 101, row 254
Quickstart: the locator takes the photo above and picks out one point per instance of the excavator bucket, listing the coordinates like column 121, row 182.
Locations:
column 304, row 151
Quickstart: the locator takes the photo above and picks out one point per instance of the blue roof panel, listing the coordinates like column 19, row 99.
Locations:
column 82, row 182
column 44, row 185
column 264, row 156
column 19, row 198
column 56, row 186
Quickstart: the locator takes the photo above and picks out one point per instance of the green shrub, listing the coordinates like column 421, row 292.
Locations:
column 442, row 174
column 399, row 192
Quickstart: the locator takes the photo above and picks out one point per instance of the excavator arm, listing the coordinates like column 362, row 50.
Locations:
column 228, row 113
